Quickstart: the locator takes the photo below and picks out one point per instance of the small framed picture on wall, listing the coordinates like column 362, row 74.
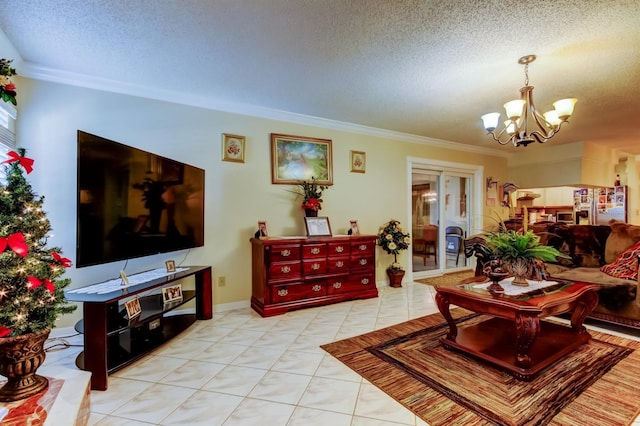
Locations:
column 358, row 160
column 233, row 148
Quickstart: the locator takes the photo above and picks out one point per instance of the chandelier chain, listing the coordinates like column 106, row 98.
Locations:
column 526, row 74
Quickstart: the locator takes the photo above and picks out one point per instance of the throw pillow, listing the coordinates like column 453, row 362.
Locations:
column 621, row 238
column 625, row 265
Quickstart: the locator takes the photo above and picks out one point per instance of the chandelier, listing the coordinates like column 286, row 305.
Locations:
column 522, row 114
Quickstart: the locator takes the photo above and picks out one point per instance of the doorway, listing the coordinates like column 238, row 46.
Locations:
column 442, row 207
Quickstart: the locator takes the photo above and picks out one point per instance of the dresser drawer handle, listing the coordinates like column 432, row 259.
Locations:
column 285, row 269
column 339, row 264
column 285, row 253
column 315, row 266
column 282, row 292
column 362, row 247
column 315, row 250
column 316, row 287
column 339, row 249
column 364, row 281
column 362, row 261
column 337, row 284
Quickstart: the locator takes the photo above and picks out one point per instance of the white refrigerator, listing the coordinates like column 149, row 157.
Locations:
column 610, row 203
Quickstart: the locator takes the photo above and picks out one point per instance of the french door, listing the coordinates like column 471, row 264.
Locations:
column 442, row 209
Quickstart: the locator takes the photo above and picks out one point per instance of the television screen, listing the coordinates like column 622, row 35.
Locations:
column 133, row 203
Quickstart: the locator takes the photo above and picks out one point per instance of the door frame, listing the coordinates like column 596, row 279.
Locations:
column 475, row 199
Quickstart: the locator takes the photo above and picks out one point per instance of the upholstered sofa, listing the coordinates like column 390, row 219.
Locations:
column 606, row 255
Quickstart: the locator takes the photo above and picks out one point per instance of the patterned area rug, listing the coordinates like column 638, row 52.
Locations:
column 447, row 279
column 597, row 384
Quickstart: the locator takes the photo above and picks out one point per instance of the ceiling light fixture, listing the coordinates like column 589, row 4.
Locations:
column 521, row 111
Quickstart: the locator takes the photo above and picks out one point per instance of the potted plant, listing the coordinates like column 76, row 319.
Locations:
column 311, row 192
column 31, row 287
column 521, row 253
column 393, row 239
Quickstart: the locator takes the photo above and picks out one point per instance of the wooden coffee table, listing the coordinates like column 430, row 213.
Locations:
column 514, row 338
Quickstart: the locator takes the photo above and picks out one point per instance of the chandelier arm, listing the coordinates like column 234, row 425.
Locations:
column 497, row 138
column 549, row 135
column 548, row 128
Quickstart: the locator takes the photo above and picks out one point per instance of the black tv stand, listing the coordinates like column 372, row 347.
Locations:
column 111, row 341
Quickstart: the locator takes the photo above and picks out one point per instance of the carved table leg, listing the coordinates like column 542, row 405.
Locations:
column 586, row 305
column 527, row 329
column 443, row 305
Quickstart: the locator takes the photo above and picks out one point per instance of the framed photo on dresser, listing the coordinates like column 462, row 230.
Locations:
column 317, row 226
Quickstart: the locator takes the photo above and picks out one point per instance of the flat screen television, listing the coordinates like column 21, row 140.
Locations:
column 133, row 203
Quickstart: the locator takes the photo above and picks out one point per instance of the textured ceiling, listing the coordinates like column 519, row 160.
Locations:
column 427, row 68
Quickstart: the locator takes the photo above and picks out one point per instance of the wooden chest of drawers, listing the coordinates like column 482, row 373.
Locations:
column 299, row 272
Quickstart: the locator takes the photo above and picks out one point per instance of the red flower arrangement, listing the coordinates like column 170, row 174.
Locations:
column 311, row 194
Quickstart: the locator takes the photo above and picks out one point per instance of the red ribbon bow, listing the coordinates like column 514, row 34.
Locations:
column 35, row 283
column 4, row 331
column 65, row 262
column 16, row 243
column 25, row 162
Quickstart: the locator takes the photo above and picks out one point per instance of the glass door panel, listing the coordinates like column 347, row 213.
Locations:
column 440, row 219
column 425, row 221
column 456, row 220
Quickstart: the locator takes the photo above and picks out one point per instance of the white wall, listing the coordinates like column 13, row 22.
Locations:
column 237, row 195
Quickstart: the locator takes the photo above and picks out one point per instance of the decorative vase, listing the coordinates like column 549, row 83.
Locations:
column 310, row 213
column 395, row 277
column 519, row 268
column 496, row 276
column 20, row 357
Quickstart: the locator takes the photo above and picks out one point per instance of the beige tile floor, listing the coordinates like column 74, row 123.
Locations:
column 241, row 369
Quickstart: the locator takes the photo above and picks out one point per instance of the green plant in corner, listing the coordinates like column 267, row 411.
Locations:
column 393, row 239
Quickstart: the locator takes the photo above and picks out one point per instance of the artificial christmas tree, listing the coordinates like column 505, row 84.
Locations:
column 31, row 287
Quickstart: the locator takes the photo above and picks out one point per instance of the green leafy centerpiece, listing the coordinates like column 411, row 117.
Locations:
column 31, row 287
column 520, row 253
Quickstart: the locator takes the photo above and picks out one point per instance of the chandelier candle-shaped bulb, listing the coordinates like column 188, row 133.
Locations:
column 490, row 121
column 514, row 109
column 552, row 118
column 564, row 108
column 510, row 126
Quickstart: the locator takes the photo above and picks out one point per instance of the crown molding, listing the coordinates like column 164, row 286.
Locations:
column 37, row 72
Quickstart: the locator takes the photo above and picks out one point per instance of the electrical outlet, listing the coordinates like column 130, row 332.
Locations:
column 222, row 281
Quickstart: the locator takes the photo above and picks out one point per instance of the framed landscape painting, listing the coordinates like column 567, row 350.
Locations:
column 298, row 158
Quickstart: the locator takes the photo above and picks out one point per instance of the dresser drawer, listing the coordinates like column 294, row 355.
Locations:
column 339, row 249
column 362, row 262
column 297, row 291
column 338, row 264
column 282, row 252
column 285, row 270
column 315, row 266
column 353, row 283
column 313, row 251
column 363, row 248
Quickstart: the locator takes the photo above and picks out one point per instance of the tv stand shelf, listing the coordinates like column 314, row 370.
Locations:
column 111, row 341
